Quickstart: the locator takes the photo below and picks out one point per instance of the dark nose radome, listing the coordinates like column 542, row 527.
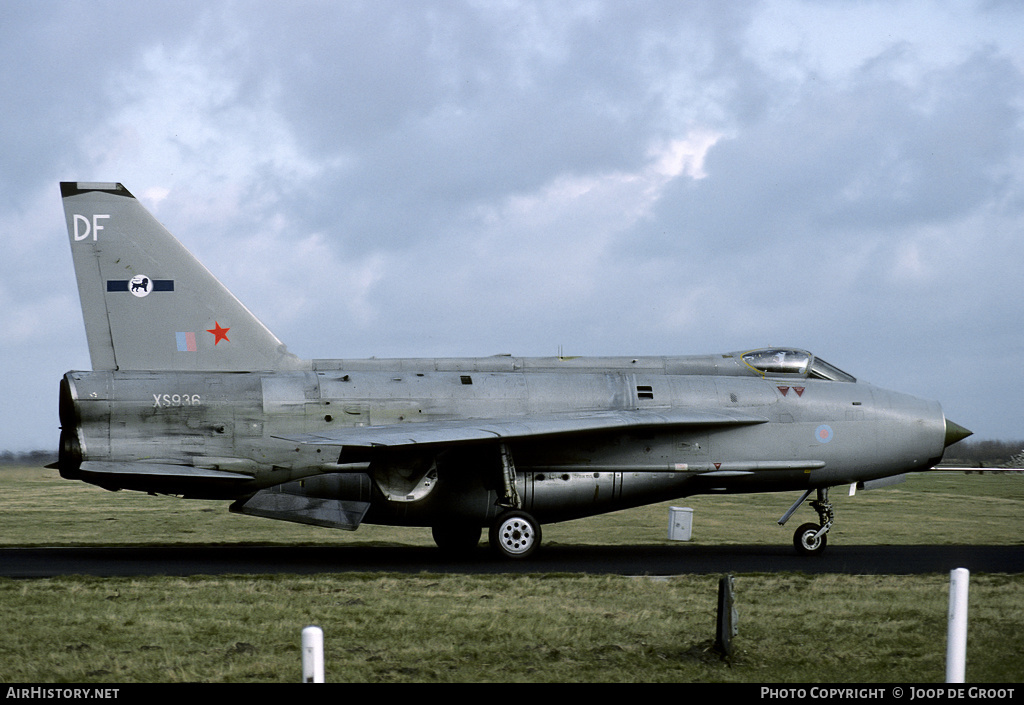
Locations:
column 955, row 432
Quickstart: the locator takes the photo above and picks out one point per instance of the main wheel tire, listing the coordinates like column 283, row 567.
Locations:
column 805, row 542
column 457, row 538
column 515, row 535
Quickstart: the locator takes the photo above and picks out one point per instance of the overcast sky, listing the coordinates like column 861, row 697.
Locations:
column 415, row 178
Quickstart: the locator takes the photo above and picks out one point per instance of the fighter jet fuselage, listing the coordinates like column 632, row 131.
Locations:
column 190, row 395
column 228, row 433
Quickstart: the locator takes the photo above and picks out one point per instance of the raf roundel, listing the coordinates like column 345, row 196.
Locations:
column 823, row 433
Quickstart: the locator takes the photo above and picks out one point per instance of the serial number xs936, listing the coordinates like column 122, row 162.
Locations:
column 171, row 400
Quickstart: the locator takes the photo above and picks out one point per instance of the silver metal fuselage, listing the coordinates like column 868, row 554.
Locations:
column 221, row 434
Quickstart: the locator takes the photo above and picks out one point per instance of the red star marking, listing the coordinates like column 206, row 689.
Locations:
column 219, row 333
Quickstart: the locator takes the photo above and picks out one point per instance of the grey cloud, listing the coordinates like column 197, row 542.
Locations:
column 413, row 154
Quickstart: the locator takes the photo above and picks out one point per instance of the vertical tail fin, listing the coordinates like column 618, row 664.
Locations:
column 148, row 303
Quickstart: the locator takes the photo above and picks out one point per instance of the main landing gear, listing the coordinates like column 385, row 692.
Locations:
column 457, row 539
column 514, row 535
column 811, row 539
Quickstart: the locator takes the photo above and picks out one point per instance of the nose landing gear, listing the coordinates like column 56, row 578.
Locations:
column 811, row 539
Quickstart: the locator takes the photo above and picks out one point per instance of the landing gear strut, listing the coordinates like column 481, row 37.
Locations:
column 514, row 534
column 811, row 539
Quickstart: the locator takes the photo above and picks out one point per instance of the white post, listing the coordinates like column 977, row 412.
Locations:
column 312, row 655
column 956, row 640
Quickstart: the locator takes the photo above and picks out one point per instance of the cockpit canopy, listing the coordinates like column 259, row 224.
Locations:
column 790, row 361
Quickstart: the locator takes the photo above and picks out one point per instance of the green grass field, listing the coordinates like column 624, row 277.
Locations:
column 41, row 509
column 793, row 628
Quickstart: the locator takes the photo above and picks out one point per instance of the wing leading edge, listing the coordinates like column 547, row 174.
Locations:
column 459, row 431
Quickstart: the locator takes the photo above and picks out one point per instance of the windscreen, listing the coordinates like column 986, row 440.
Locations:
column 823, row 370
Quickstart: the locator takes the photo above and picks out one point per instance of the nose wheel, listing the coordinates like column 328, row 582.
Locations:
column 810, row 540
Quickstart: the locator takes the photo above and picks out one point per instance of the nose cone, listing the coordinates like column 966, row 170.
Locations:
column 955, row 432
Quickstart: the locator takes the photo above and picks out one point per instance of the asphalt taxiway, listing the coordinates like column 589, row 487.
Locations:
column 559, row 558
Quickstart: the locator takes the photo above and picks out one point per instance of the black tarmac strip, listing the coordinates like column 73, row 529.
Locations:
column 653, row 560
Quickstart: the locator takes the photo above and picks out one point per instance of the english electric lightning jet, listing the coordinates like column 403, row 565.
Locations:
column 189, row 394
